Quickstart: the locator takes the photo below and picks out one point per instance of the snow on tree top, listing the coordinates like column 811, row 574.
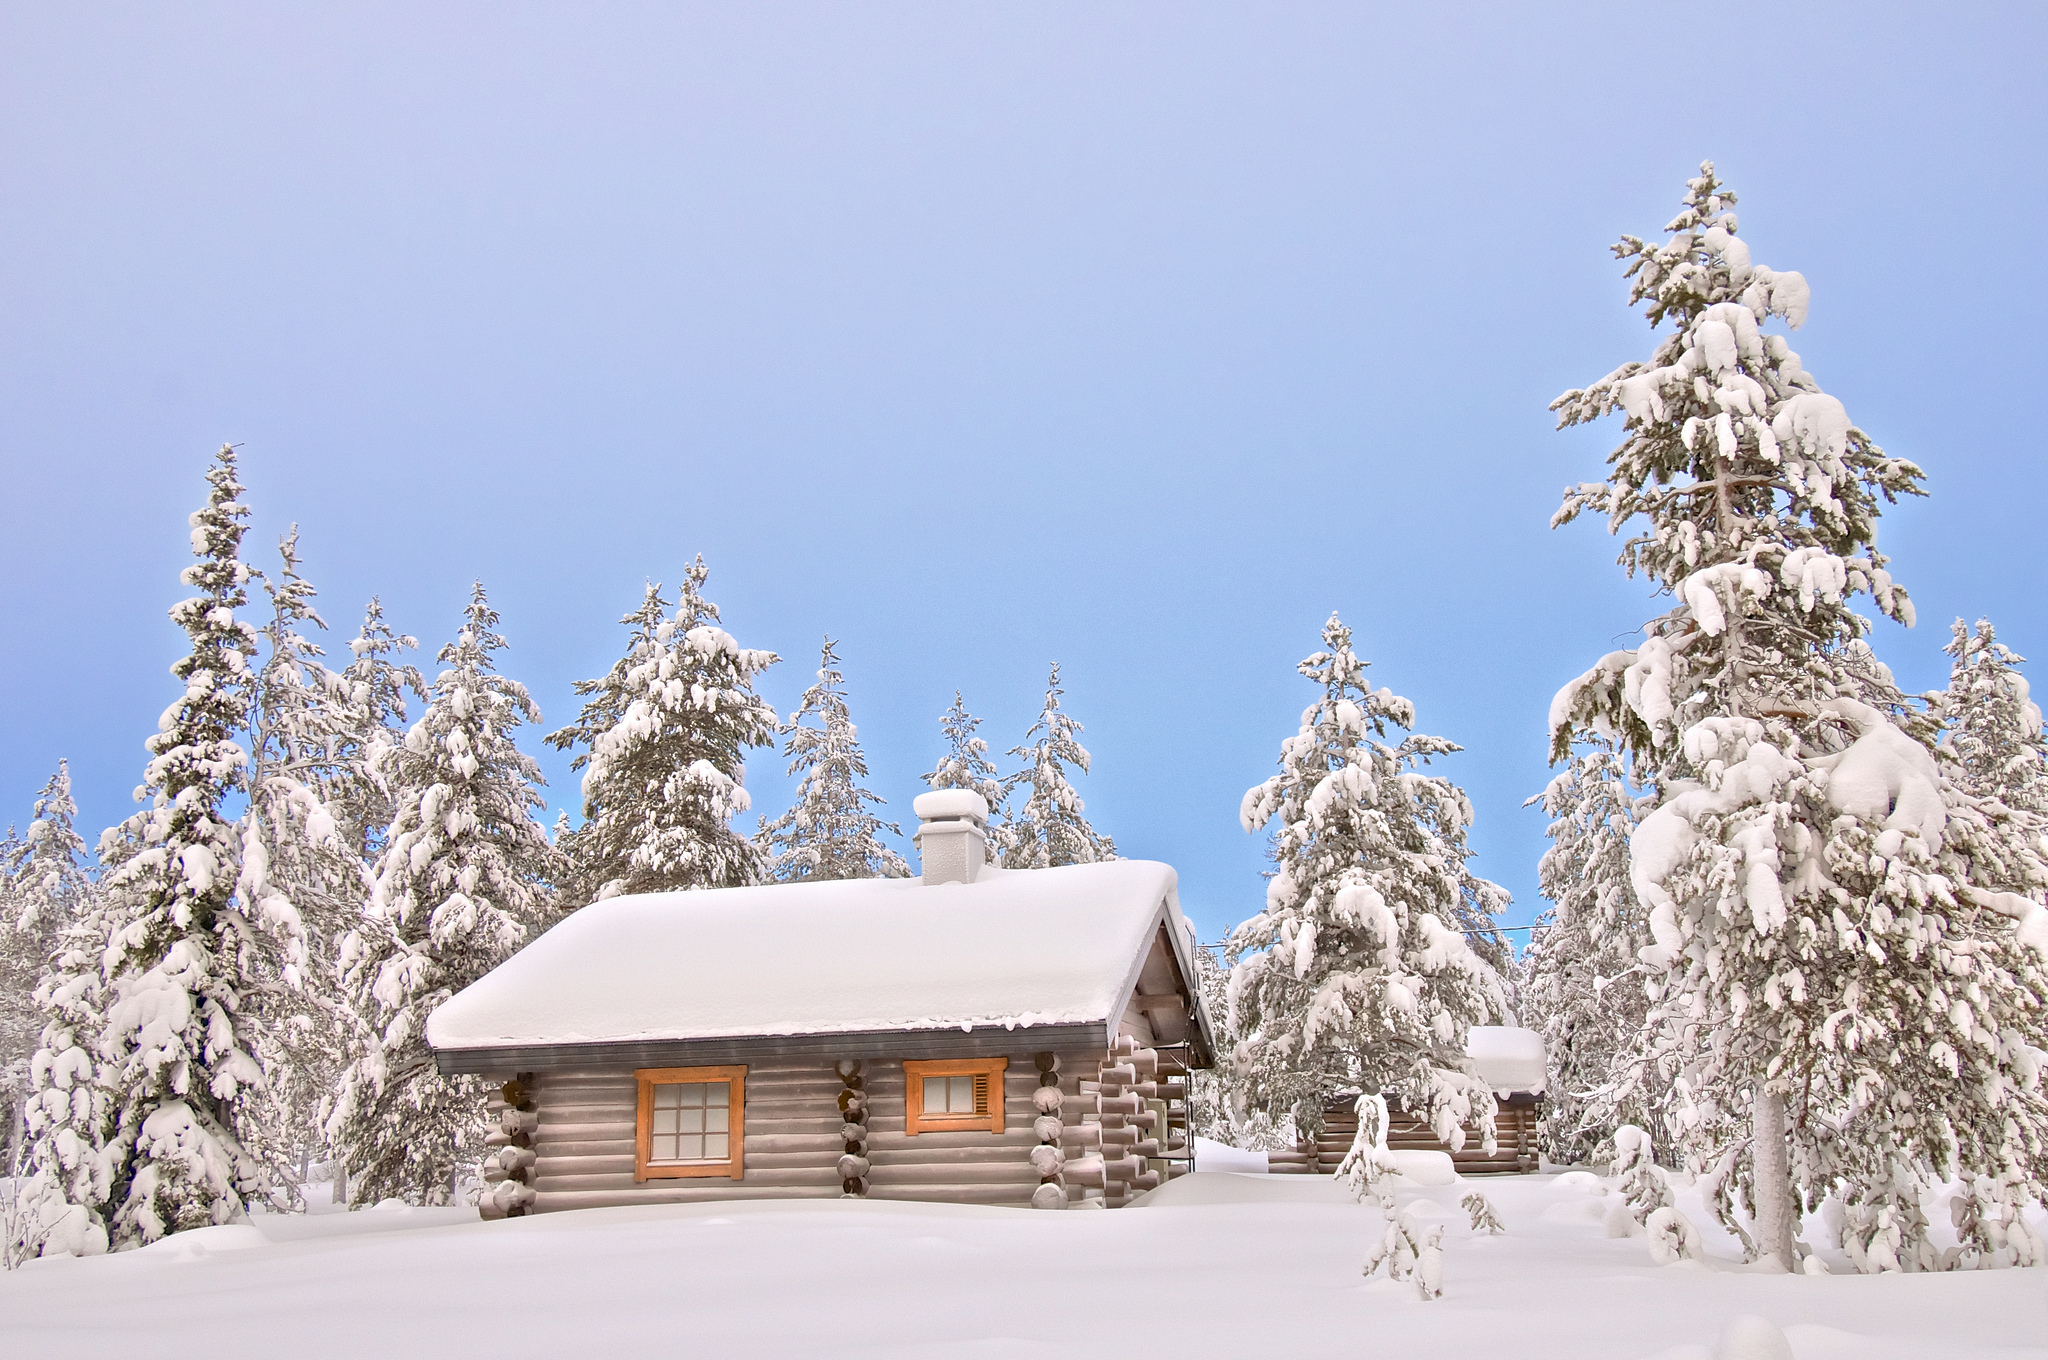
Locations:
column 1507, row 1058
column 1015, row 949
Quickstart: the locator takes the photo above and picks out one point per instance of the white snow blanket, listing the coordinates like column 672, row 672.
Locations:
column 1507, row 1058
column 1237, row 1257
column 1214, row 1156
column 1016, row 949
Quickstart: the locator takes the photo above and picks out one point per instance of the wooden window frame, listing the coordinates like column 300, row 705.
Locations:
column 916, row 1121
column 647, row 1078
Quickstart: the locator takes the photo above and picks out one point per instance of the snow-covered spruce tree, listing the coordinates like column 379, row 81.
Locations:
column 464, row 879
column 1359, row 971
column 1994, row 726
column 1211, row 1095
column 45, row 890
column 305, row 747
column 368, row 697
column 665, row 735
column 828, row 832
column 188, row 945
column 1047, row 829
column 1841, row 1005
column 1579, row 976
column 966, row 764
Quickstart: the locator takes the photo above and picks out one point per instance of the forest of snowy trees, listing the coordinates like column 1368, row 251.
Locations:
column 235, row 983
column 1795, row 943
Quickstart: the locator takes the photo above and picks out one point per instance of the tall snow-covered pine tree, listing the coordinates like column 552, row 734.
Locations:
column 1842, row 1003
column 464, row 879
column 1579, row 976
column 829, row 832
column 1359, row 971
column 665, row 735
column 1994, row 724
column 187, row 944
column 1047, row 828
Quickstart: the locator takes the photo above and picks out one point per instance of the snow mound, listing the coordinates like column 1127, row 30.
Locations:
column 1749, row 1337
column 198, row 1243
column 1233, row 1187
column 1214, row 1156
column 1426, row 1168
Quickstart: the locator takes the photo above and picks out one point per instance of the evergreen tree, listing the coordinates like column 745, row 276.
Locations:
column 463, row 880
column 1048, row 830
column 665, row 735
column 304, row 744
column 828, row 833
column 966, row 764
column 187, row 945
column 369, row 697
column 1579, row 975
column 1994, row 727
column 1212, row 1107
column 44, row 889
column 1840, row 1003
column 1358, row 972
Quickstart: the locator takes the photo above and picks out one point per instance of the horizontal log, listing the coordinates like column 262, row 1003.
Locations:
column 584, row 1133
column 1011, row 1137
column 952, row 1173
column 778, row 1176
column 995, row 1196
column 677, row 1192
column 914, row 1156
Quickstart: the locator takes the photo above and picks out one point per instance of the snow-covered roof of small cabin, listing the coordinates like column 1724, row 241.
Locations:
column 1017, row 948
column 1507, row 1058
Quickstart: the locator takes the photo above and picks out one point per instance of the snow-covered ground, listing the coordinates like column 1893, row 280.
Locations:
column 1217, row 1264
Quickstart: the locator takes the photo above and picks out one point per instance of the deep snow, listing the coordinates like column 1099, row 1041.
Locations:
column 1217, row 1264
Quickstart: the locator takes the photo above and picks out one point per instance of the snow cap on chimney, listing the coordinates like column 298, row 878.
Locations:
column 952, row 834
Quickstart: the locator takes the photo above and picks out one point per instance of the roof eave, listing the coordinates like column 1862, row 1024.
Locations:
column 872, row 1044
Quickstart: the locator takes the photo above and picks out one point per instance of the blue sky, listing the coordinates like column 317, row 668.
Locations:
column 1135, row 337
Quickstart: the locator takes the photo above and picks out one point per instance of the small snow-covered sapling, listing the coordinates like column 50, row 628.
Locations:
column 1398, row 1249
column 1673, row 1238
column 1484, row 1217
column 1429, row 1265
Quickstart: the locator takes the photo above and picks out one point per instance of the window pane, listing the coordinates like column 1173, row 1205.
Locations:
column 934, row 1095
column 963, row 1095
column 690, row 1122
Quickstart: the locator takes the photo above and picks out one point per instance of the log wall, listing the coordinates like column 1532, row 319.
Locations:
column 585, row 1137
column 1514, row 1140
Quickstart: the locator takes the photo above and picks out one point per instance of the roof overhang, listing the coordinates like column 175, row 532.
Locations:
column 824, row 1048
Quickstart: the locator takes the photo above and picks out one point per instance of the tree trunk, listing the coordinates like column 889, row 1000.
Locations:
column 1772, row 1181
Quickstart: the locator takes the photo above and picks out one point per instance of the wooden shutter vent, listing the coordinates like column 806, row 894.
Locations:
column 981, row 1093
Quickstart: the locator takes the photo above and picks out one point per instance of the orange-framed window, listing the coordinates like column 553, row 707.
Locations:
column 953, row 1095
column 692, row 1122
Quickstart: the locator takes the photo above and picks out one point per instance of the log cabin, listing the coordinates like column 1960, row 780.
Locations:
column 976, row 1035
column 1506, row 1058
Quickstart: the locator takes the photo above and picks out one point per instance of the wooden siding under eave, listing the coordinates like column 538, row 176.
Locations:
column 584, row 1143
column 780, row 1050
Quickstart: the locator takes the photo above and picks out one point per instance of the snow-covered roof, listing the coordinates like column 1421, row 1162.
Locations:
column 1507, row 1058
column 1015, row 949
